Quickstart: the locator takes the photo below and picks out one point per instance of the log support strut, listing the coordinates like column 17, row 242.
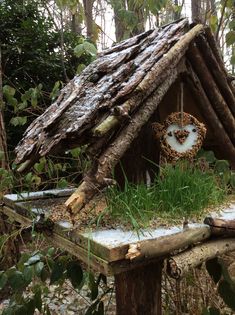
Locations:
column 138, row 291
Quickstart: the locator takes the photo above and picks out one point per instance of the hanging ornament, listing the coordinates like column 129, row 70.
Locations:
column 181, row 136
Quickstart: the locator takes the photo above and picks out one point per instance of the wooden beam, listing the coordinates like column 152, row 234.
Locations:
column 219, row 75
column 178, row 266
column 214, row 47
column 212, row 91
column 221, row 227
column 208, row 112
column 166, row 245
column 138, row 292
column 118, row 147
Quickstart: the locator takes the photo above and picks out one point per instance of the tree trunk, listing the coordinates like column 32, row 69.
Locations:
column 75, row 24
column 119, row 24
column 3, row 141
column 88, row 6
column 196, row 11
column 177, row 13
column 138, row 11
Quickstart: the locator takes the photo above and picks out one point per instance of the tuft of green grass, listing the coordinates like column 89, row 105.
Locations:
column 184, row 190
column 180, row 191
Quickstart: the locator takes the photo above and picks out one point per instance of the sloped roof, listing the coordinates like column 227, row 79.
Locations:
column 108, row 103
column 105, row 84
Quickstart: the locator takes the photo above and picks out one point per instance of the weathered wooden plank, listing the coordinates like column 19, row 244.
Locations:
column 97, row 263
column 92, row 261
column 165, row 245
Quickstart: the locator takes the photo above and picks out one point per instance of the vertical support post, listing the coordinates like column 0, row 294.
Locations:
column 138, row 291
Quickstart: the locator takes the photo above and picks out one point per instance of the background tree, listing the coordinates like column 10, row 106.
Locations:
column 3, row 141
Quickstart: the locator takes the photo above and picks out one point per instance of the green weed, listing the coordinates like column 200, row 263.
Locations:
column 180, row 191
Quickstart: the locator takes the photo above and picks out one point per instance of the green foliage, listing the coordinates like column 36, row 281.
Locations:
column 180, row 190
column 31, row 47
column 47, row 173
column 32, row 273
column 34, row 60
column 226, row 286
column 209, row 156
column 230, row 38
column 85, row 48
column 211, row 311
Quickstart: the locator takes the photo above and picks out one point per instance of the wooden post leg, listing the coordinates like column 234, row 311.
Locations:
column 138, row 291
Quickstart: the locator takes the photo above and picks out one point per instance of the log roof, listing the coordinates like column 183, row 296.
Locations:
column 108, row 103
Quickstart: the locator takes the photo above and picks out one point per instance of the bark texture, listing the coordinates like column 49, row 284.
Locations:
column 221, row 227
column 138, row 292
column 207, row 110
column 196, row 11
column 88, row 99
column 178, row 266
column 164, row 245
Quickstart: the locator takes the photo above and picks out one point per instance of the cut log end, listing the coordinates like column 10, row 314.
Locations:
column 221, row 227
column 133, row 251
column 75, row 202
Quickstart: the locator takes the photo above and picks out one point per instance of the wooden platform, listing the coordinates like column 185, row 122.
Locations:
column 113, row 251
column 103, row 250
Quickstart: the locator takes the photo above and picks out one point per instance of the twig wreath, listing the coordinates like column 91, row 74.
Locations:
column 181, row 136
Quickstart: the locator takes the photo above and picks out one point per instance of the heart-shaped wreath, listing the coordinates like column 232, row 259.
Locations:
column 181, row 136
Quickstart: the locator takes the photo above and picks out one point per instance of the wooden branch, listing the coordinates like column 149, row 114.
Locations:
column 218, row 54
column 81, row 195
column 212, row 91
column 4, row 160
column 219, row 75
column 210, row 115
column 181, row 264
column 109, row 123
column 214, row 47
column 220, row 226
column 24, row 166
column 167, row 244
